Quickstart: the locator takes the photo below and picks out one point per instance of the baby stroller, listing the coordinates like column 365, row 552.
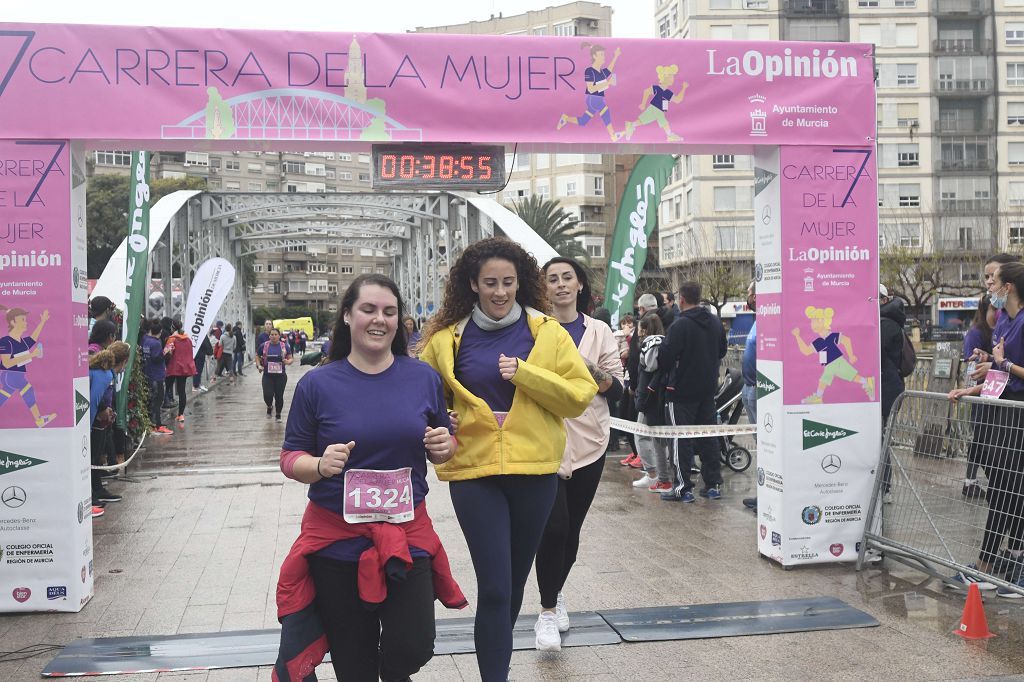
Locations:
column 729, row 407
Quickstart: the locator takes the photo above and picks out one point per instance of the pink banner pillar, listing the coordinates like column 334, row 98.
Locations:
column 819, row 380
column 45, row 506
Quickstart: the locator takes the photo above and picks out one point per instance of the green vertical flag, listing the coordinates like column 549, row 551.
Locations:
column 136, row 270
column 638, row 214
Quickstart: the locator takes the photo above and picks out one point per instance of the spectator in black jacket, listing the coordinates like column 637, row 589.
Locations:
column 893, row 318
column 692, row 352
column 665, row 313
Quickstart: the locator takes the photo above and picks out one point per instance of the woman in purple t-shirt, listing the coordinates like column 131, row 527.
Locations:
column 1003, row 459
column 359, row 432
column 16, row 352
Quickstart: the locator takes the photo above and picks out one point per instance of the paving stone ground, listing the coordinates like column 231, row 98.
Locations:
column 207, row 519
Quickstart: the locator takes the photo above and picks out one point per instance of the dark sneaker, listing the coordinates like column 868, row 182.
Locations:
column 973, row 491
column 750, row 503
column 671, row 496
column 104, row 495
column 688, row 497
column 714, row 493
column 961, row 581
column 278, row 417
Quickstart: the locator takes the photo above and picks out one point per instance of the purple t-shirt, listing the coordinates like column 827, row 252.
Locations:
column 153, row 358
column 830, row 345
column 661, row 98
column 385, row 414
column 973, row 340
column 12, row 346
column 575, row 329
column 592, row 75
column 1010, row 329
column 476, row 366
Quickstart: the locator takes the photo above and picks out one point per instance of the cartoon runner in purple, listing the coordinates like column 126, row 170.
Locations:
column 16, row 352
column 830, row 356
column 655, row 103
column 598, row 80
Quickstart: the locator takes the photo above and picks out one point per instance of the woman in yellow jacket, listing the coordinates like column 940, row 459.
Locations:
column 513, row 374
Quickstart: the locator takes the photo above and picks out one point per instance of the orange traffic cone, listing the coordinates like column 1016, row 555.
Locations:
column 973, row 624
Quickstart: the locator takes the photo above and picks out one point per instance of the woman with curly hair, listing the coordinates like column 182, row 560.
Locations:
column 513, row 374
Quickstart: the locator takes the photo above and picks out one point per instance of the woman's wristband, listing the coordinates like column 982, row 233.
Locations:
column 318, row 468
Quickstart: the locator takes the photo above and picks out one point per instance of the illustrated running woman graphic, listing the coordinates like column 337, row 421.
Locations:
column 16, row 352
column 830, row 356
column 655, row 103
column 598, row 80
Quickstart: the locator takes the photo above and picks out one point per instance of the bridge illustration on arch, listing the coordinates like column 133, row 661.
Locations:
column 291, row 114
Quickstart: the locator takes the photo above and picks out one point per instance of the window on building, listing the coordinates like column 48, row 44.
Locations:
column 543, row 190
column 332, row 289
column 1016, row 233
column 904, row 4
column 814, row 30
column 725, row 198
column 870, row 33
column 690, row 208
column 907, row 156
column 232, row 185
column 758, row 32
column 254, row 167
column 1014, row 34
column 721, row 32
column 255, row 187
column 965, row 237
column 293, row 167
column 570, row 188
column 232, row 165
column 257, row 267
column 113, row 158
column 366, row 269
column 663, row 30
column 332, row 250
column 346, row 269
column 344, row 157
column 598, row 186
column 273, row 267
column 1015, row 113
column 906, row 35
column 332, row 269
column 1016, row 194
column 197, row 159
column 723, row 161
column 364, row 158
column 906, row 114
column 1016, row 154
column 347, row 251
column 567, row 28
column 297, row 248
column 275, row 287
column 364, row 177
column 906, row 75
column 867, row 4
column 755, row 4
column 1015, row 74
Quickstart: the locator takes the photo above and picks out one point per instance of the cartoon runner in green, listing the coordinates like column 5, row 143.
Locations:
column 220, row 121
column 830, row 356
column 598, row 79
column 16, row 352
column 655, row 103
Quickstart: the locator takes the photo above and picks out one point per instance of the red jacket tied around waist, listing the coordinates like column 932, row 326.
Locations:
column 303, row 642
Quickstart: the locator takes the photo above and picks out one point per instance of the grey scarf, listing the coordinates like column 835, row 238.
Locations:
column 489, row 325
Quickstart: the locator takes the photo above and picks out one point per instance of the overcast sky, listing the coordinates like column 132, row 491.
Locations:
column 631, row 19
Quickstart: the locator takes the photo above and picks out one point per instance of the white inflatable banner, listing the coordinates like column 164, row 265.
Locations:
column 209, row 288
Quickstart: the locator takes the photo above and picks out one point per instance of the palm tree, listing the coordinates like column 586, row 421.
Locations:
column 554, row 224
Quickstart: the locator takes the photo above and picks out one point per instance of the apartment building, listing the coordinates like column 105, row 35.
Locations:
column 584, row 184
column 950, row 123
column 307, row 276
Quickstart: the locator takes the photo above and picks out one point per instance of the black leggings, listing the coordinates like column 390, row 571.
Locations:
column 561, row 539
column 179, row 387
column 502, row 518
column 390, row 642
column 1004, row 465
column 273, row 390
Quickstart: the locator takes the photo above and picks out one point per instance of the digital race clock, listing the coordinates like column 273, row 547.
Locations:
column 438, row 166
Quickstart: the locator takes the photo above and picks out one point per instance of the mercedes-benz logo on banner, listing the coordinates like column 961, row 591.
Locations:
column 13, row 496
column 769, row 422
column 830, row 464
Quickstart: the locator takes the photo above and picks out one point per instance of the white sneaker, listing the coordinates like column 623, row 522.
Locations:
column 546, row 628
column 203, row 389
column 645, row 482
column 561, row 614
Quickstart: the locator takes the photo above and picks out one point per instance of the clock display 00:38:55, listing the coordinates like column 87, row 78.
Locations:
column 436, row 167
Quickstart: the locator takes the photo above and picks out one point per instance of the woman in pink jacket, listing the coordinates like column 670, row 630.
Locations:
column 181, row 366
column 568, row 289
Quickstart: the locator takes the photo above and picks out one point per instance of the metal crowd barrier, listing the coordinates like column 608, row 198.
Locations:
column 919, row 512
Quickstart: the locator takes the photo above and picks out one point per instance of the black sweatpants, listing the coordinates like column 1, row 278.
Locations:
column 1004, row 465
column 699, row 413
column 273, row 390
column 179, row 386
column 156, row 402
column 390, row 642
column 561, row 539
column 502, row 518
column 99, row 442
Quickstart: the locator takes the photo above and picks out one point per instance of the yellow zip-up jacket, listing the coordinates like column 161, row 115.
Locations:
column 552, row 384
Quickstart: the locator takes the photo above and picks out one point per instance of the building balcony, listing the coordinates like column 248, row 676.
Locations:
column 949, row 126
column 962, row 7
column 961, row 46
column 965, row 206
column 955, row 244
column 814, row 8
column 963, row 86
column 293, row 296
column 296, row 256
column 951, row 164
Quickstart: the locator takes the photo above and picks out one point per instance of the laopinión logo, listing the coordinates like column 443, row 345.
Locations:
column 817, row 433
column 811, row 515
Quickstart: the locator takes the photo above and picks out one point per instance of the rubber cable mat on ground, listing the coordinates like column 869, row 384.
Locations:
column 250, row 648
column 734, row 619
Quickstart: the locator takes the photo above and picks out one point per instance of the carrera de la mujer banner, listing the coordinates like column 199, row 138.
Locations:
column 169, row 87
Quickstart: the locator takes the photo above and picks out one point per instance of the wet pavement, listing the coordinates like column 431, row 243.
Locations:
column 207, row 519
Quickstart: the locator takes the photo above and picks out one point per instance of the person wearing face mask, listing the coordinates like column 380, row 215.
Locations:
column 361, row 579
column 513, row 374
column 1003, row 458
column 568, row 289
